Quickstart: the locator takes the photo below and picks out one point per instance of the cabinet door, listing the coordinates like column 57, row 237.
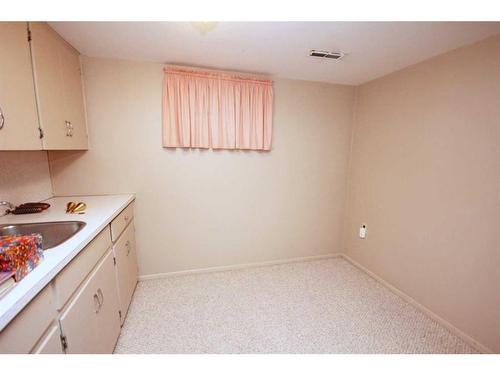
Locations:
column 50, row 343
column 73, row 96
column 91, row 323
column 126, row 268
column 18, row 118
column 59, row 93
column 23, row 333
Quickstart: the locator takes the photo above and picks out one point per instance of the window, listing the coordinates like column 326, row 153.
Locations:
column 216, row 110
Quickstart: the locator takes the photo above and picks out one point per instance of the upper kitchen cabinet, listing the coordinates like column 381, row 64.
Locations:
column 18, row 117
column 58, row 84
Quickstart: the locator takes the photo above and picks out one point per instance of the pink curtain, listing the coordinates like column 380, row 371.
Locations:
column 216, row 110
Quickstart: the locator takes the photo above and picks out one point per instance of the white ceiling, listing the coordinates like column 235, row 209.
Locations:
column 279, row 49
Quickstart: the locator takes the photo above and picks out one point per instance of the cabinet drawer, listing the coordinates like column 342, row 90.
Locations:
column 21, row 335
column 68, row 280
column 121, row 221
column 126, row 268
column 50, row 342
column 90, row 322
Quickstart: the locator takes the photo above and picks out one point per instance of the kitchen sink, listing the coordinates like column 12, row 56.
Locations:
column 53, row 233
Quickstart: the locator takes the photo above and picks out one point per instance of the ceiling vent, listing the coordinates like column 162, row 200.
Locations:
column 326, row 54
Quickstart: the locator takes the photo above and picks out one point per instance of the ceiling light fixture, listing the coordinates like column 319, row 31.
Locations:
column 204, row 27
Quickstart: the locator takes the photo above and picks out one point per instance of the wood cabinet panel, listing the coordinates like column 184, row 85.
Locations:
column 58, row 85
column 68, row 280
column 21, row 335
column 73, row 96
column 90, row 322
column 18, row 112
column 126, row 268
column 121, row 221
column 50, row 343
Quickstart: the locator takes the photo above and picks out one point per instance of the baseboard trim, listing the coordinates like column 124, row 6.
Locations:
column 469, row 340
column 237, row 266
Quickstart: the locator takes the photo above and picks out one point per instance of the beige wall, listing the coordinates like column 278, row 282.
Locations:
column 425, row 178
column 199, row 209
column 24, row 176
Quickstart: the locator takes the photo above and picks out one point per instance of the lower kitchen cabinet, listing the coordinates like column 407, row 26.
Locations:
column 91, row 323
column 126, row 268
column 50, row 343
column 23, row 333
column 83, row 308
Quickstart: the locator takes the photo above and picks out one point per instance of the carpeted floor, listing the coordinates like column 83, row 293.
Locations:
column 324, row 306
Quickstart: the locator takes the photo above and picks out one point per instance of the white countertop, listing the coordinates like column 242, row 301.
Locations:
column 99, row 213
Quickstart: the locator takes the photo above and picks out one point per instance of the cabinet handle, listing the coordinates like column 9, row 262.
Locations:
column 101, row 295
column 127, row 245
column 69, row 129
column 97, row 304
column 98, row 300
column 2, row 119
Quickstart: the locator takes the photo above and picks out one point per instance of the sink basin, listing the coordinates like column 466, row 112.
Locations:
column 53, row 233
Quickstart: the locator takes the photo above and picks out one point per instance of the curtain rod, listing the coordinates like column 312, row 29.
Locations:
column 212, row 73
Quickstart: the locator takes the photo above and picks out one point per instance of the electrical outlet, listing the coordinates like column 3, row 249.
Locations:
column 362, row 231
